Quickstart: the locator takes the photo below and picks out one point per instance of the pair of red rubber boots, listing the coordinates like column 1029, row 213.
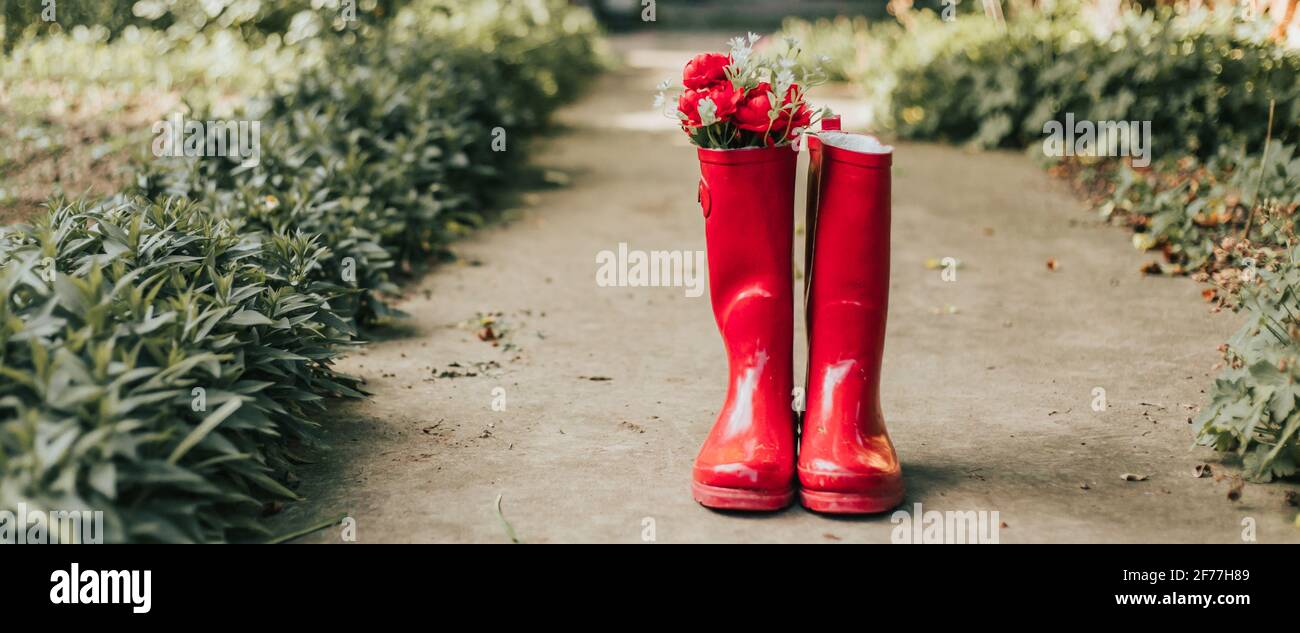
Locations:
column 845, row 463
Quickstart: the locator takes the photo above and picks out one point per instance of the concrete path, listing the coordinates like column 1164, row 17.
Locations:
column 989, row 379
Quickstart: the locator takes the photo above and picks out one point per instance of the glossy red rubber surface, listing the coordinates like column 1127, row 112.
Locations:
column 747, row 461
column 847, row 463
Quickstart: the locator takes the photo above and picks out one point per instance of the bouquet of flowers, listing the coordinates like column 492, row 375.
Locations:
column 742, row 99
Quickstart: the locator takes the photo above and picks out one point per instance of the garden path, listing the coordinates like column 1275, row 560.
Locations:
column 988, row 389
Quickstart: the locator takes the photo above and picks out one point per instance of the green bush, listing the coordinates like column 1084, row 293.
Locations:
column 233, row 280
column 113, row 319
column 386, row 151
column 1197, row 79
column 1254, row 407
column 1204, row 80
column 24, row 15
column 1184, row 208
column 212, row 72
column 184, row 19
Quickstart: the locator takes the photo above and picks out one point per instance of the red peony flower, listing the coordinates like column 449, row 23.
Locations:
column 751, row 113
column 800, row 116
column 705, row 70
column 725, row 98
column 689, row 105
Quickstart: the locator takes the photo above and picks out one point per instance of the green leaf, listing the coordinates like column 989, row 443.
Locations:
column 248, row 317
column 103, row 478
column 209, row 423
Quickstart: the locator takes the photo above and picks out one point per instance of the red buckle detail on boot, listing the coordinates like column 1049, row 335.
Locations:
column 702, row 197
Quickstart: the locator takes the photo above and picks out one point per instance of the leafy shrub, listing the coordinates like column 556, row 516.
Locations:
column 112, row 317
column 208, row 72
column 21, row 15
column 1185, row 208
column 386, row 151
column 1204, row 79
column 79, row 105
column 1254, row 407
column 232, row 280
column 185, row 19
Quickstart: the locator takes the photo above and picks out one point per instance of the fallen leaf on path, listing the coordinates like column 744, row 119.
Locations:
column 1133, row 477
column 1202, row 470
column 1052, row 264
column 1152, row 268
column 595, row 378
column 1085, row 486
column 933, row 263
column 831, row 536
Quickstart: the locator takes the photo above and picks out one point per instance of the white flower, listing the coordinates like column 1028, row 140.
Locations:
column 740, row 51
column 783, row 81
column 708, row 112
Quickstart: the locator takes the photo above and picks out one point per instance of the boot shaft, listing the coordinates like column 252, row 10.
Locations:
column 747, row 198
column 847, row 284
column 847, row 249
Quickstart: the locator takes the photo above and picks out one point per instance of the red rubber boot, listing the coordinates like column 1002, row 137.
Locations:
column 847, row 464
column 747, row 196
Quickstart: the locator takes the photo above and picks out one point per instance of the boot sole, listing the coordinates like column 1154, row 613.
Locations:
column 740, row 498
column 850, row 502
